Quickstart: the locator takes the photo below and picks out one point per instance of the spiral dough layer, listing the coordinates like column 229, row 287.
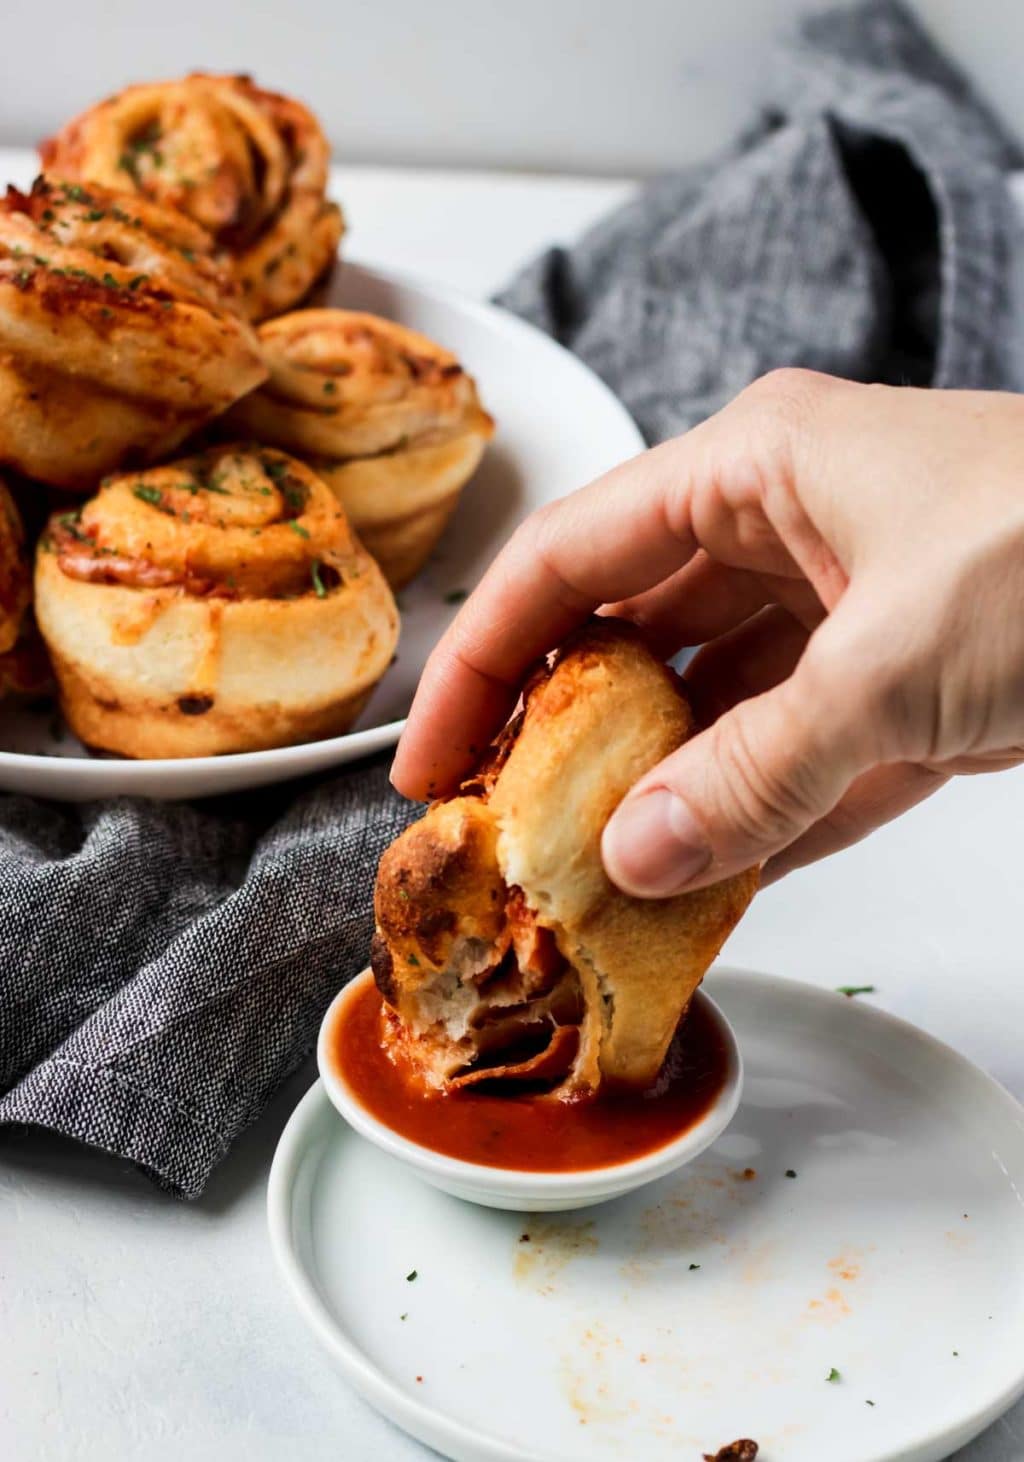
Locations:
column 247, row 164
column 389, row 419
column 117, row 336
column 24, row 668
column 217, row 604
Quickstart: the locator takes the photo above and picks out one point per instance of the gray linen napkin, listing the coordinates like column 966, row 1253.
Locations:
column 164, row 968
column 861, row 228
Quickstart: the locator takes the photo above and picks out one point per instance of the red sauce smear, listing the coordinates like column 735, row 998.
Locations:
column 533, row 1133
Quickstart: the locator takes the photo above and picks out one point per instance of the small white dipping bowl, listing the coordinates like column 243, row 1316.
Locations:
column 514, row 1188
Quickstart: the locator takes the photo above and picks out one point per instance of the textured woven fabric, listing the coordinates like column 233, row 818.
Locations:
column 861, row 228
column 164, row 968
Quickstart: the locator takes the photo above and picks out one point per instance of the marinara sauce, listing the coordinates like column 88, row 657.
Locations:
column 529, row 1132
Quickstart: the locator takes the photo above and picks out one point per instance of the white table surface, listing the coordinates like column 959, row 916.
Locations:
column 135, row 1326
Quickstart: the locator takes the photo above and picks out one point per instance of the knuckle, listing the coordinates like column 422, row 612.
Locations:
column 790, row 393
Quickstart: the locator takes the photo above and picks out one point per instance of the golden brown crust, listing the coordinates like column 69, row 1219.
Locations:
column 593, row 722
column 15, row 573
column 389, row 419
column 25, row 670
column 219, row 603
column 439, row 882
column 247, row 164
column 117, row 332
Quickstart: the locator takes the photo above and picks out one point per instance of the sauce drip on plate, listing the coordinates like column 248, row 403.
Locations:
column 531, row 1133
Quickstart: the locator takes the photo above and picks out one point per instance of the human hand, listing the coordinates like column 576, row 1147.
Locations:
column 851, row 558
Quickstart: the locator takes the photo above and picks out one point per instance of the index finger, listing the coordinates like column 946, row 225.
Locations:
column 729, row 486
column 607, row 541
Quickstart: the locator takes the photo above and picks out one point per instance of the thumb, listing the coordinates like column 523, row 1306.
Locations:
column 741, row 791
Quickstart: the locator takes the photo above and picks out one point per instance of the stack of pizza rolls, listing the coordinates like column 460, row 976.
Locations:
column 236, row 480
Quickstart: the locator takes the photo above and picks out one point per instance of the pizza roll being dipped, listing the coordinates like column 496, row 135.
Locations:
column 504, row 952
column 247, row 164
column 117, row 335
column 220, row 603
column 387, row 418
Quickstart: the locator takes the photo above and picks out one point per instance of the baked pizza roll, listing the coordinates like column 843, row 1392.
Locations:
column 505, row 953
column 220, row 603
column 117, row 335
column 387, row 418
column 247, row 164
column 15, row 573
column 24, row 667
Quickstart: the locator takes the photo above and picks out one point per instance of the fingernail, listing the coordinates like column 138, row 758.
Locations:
column 652, row 846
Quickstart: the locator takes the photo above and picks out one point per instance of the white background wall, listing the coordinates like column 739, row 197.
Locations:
column 613, row 86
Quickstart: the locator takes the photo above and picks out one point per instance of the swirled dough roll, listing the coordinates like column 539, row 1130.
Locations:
column 220, row 603
column 503, row 949
column 24, row 668
column 247, row 164
column 15, row 574
column 117, row 338
column 387, row 418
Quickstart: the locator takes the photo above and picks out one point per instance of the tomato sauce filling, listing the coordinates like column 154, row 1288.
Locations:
column 527, row 1131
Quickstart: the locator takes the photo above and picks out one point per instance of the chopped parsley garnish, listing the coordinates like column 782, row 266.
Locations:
column 95, row 215
column 412, row 960
column 850, row 990
column 138, row 281
column 318, row 583
column 148, row 494
column 456, row 596
column 298, row 528
column 110, row 281
column 330, row 387
column 694, row 1266
column 833, row 1376
column 791, row 1172
column 405, row 1316
column 76, row 193
column 869, row 1403
column 403, row 893
column 69, row 522
column 145, row 142
column 293, row 495
column 413, row 1274
column 189, row 254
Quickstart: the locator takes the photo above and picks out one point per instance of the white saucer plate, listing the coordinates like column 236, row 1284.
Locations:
column 558, row 426
column 715, row 1304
